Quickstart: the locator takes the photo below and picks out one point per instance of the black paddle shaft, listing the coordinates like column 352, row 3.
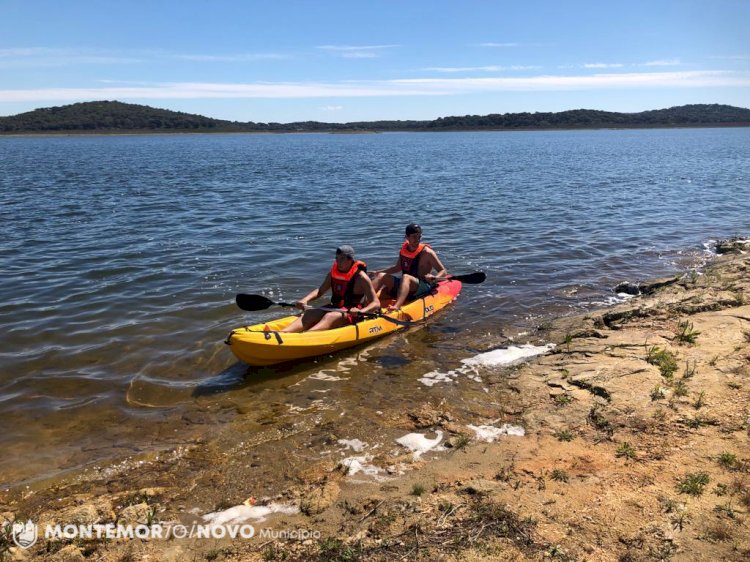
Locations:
column 258, row 302
column 469, row 278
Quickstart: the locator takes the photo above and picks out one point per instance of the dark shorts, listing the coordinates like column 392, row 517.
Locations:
column 423, row 289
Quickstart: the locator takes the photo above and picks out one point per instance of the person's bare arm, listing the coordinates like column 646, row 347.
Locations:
column 365, row 285
column 316, row 293
column 435, row 264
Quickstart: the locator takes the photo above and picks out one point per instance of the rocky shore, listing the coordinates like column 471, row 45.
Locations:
column 629, row 440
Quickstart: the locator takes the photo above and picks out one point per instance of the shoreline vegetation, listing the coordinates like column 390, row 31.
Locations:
column 636, row 447
column 114, row 117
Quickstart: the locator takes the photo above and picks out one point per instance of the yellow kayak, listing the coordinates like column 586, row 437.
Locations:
column 263, row 344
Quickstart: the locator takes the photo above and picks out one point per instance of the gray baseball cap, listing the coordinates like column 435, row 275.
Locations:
column 346, row 250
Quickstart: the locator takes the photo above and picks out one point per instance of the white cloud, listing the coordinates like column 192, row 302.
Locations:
column 35, row 57
column 603, row 65
column 478, row 68
column 691, row 79
column 240, row 57
column 498, row 45
column 667, row 62
column 355, row 47
column 27, row 52
column 359, row 55
column 388, row 88
column 332, row 108
column 31, row 57
column 356, row 51
column 731, row 57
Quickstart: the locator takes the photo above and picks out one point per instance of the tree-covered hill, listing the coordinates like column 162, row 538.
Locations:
column 114, row 116
column 105, row 116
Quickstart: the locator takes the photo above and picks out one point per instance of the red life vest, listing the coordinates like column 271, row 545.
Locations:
column 342, row 285
column 410, row 260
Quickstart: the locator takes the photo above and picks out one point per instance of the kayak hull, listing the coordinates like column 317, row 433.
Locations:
column 263, row 344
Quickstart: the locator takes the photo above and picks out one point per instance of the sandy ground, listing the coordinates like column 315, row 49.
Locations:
column 636, row 447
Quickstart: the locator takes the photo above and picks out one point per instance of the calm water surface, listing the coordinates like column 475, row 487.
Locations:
column 120, row 258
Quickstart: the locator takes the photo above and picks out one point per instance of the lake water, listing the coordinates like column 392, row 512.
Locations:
column 121, row 255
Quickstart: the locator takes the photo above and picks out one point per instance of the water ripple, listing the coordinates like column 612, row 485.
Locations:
column 121, row 255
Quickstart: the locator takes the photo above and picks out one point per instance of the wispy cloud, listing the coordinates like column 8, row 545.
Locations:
column 691, row 79
column 35, row 57
column 478, row 68
column 731, row 57
column 356, row 51
column 498, row 45
column 664, row 62
column 332, row 108
column 26, row 52
column 603, row 65
column 239, row 57
column 386, row 88
column 30, row 57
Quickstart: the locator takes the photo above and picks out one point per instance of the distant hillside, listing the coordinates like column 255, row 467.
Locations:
column 105, row 116
column 114, row 116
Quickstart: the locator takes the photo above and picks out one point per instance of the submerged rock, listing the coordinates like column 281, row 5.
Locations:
column 652, row 286
column 628, row 288
column 732, row 246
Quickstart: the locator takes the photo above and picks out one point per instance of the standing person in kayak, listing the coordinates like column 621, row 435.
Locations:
column 351, row 288
column 416, row 262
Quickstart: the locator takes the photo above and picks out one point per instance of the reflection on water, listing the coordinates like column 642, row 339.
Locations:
column 121, row 257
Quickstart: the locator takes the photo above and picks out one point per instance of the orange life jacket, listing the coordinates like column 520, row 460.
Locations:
column 410, row 260
column 342, row 285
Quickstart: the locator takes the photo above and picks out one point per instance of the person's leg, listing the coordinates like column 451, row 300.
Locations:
column 423, row 289
column 383, row 281
column 408, row 285
column 305, row 322
column 331, row 320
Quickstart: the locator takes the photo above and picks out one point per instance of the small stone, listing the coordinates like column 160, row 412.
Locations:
column 135, row 514
column 560, row 383
column 19, row 554
column 320, row 499
column 481, row 487
column 317, row 471
column 173, row 554
column 427, row 416
column 453, row 427
column 86, row 514
column 151, row 492
column 70, row 553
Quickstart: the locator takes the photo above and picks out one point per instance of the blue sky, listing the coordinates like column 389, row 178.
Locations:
column 340, row 61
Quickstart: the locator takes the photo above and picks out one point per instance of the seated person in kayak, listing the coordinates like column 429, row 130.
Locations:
column 416, row 262
column 352, row 293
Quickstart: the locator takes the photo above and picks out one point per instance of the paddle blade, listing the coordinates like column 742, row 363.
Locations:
column 470, row 278
column 253, row 302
